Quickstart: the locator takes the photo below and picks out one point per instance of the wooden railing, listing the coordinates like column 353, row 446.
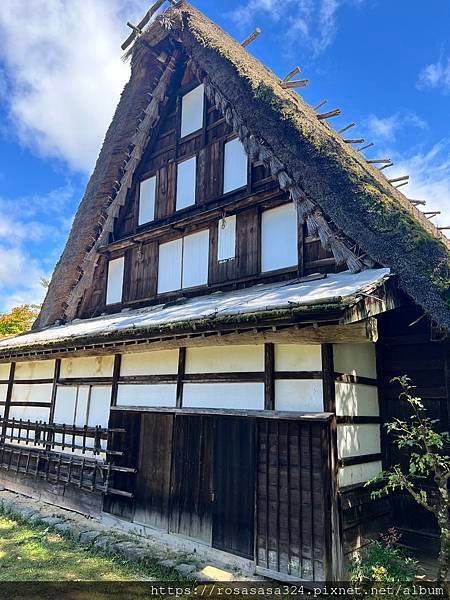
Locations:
column 81, row 457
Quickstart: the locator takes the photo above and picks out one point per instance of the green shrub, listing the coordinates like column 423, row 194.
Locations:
column 382, row 562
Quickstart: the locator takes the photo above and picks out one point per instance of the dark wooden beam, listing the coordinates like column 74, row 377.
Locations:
column 359, row 460
column 115, row 379
column 329, row 399
column 269, row 384
column 181, row 375
column 9, row 391
column 54, row 389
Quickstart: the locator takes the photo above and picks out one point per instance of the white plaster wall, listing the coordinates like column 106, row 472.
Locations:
column 66, row 398
column 99, row 405
column 4, row 370
column 161, row 394
column 3, row 391
column 34, row 413
column 298, row 357
column 357, row 359
column 301, row 395
column 38, row 369
column 87, row 366
column 224, row 395
column 161, row 362
column 225, row 359
column 356, row 400
column 353, row 474
column 357, row 440
column 32, row 392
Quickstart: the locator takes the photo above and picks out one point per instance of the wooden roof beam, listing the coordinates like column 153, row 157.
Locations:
column 328, row 115
column 376, row 161
column 322, row 103
column 355, row 141
column 365, row 147
column 289, row 85
column 418, row 202
column 251, row 38
column 137, row 29
column 295, row 71
column 397, row 179
column 346, row 127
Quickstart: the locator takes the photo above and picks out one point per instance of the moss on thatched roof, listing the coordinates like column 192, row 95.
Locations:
column 355, row 197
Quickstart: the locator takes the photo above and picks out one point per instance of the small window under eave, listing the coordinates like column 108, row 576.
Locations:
column 279, row 238
column 114, row 288
column 235, row 168
column 226, row 238
column 147, row 196
column 192, row 105
column 186, row 183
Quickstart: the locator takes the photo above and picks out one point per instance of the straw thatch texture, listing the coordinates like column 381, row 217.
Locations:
column 338, row 193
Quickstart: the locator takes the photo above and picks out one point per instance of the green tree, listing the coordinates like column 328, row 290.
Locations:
column 428, row 462
column 18, row 319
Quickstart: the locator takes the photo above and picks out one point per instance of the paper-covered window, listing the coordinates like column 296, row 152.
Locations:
column 226, row 238
column 186, row 176
column 235, row 166
column 279, row 238
column 147, row 196
column 114, row 287
column 192, row 110
column 183, row 263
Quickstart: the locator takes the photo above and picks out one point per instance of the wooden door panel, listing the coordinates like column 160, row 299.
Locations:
column 153, row 478
column 191, row 489
column 234, row 486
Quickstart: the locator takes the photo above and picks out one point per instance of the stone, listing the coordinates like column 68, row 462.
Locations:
column 104, row 542
column 63, row 528
column 168, row 563
column 52, row 521
column 88, row 537
column 185, row 570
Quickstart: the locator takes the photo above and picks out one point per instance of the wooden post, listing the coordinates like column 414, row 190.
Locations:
column 56, row 374
column 269, row 383
column 180, row 375
column 115, row 380
column 329, row 399
column 9, row 390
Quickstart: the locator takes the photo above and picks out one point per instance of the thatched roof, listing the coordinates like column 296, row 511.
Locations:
column 348, row 201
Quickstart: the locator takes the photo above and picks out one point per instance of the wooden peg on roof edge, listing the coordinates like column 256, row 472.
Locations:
column 251, row 38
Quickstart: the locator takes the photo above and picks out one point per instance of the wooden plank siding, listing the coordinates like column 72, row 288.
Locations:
column 253, row 486
column 292, row 510
column 406, row 349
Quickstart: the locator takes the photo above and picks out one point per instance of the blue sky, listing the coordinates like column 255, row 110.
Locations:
column 385, row 64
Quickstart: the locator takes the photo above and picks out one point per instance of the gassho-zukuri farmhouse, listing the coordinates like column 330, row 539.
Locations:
column 214, row 355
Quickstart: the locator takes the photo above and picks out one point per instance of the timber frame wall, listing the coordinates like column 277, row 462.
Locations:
column 139, row 244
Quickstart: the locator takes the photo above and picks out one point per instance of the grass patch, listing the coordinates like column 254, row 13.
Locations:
column 34, row 553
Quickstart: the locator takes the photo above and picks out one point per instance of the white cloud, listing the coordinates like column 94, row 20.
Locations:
column 310, row 22
column 32, row 232
column 385, row 129
column 436, row 76
column 429, row 179
column 62, row 73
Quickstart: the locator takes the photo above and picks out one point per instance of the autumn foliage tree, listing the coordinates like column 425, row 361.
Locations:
column 18, row 319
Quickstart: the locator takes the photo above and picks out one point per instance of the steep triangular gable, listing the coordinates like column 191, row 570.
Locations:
column 340, row 196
